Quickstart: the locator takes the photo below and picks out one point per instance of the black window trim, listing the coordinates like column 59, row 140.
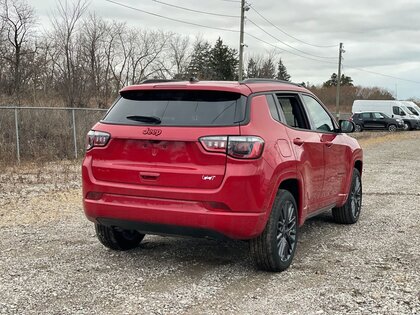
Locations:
column 280, row 118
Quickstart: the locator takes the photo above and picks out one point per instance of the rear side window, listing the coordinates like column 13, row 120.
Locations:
column 292, row 111
column 366, row 115
column 178, row 108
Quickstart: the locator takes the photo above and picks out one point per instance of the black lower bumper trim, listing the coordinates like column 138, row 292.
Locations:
column 162, row 229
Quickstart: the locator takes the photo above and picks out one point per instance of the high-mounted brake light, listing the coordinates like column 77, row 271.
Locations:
column 96, row 139
column 242, row 147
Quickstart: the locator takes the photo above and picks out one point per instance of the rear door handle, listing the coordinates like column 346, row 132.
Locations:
column 298, row 141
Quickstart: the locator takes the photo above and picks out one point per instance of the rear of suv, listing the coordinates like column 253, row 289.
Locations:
column 376, row 121
column 248, row 160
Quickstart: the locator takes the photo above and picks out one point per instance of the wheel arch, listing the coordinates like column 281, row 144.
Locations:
column 294, row 186
column 358, row 164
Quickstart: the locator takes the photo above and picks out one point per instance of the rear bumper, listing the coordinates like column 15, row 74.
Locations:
column 154, row 216
column 222, row 212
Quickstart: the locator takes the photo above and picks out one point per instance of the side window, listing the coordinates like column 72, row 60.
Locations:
column 396, row 110
column 377, row 115
column 273, row 108
column 293, row 111
column 319, row 116
column 365, row 115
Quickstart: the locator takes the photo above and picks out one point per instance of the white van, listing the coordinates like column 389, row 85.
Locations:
column 394, row 109
column 413, row 107
column 409, row 112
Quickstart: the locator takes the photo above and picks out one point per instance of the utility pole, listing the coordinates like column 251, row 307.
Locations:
column 241, row 40
column 337, row 97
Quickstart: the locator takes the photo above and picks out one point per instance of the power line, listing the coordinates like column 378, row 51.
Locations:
column 382, row 74
column 172, row 19
column 287, row 51
column 272, row 36
column 284, row 32
column 214, row 28
column 258, row 39
column 197, row 11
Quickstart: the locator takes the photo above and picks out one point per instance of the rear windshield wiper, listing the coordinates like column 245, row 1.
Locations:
column 146, row 119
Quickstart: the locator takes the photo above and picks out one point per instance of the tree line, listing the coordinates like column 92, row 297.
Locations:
column 83, row 60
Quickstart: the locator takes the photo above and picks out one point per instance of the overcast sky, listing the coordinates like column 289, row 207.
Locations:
column 378, row 36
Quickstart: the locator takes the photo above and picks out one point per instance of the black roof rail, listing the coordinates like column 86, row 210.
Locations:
column 191, row 80
column 158, row 81
column 262, row 80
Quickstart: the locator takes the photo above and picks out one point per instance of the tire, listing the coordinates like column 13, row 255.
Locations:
column 275, row 248
column 392, row 128
column 116, row 238
column 349, row 213
column 358, row 128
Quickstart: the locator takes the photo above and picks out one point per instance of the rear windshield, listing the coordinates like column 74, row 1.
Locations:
column 178, row 108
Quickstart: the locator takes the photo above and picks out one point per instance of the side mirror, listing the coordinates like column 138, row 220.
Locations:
column 346, row 126
column 402, row 113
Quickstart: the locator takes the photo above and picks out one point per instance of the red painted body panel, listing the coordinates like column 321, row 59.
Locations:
column 159, row 178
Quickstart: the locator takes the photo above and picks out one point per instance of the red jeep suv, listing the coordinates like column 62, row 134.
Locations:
column 249, row 160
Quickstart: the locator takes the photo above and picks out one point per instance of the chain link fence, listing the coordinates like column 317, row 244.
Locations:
column 44, row 133
column 47, row 133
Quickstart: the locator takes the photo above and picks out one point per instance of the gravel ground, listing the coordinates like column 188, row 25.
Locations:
column 51, row 262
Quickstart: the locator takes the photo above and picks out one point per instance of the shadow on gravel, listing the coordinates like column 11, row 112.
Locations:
column 195, row 254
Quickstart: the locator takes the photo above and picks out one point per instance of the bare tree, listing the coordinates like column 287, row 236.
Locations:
column 179, row 55
column 113, row 32
column 94, row 42
column 146, row 58
column 65, row 23
column 17, row 21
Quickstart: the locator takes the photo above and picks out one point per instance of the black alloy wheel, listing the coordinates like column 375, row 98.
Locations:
column 349, row 213
column 286, row 231
column 274, row 248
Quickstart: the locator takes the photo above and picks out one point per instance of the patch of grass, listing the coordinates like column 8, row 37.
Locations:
column 367, row 139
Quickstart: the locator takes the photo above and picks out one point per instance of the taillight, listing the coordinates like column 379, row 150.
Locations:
column 242, row 147
column 96, row 139
column 245, row 147
column 214, row 144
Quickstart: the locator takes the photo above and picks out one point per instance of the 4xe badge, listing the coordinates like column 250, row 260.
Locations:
column 150, row 131
column 208, row 177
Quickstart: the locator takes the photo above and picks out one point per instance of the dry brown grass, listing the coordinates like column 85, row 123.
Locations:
column 44, row 135
column 368, row 139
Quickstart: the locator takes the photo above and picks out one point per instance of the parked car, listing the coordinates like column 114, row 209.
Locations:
column 248, row 160
column 393, row 109
column 376, row 121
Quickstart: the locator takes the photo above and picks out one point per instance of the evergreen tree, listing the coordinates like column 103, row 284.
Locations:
column 223, row 62
column 268, row 70
column 282, row 72
column 252, row 70
column 345, row 80
column 199, row 66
